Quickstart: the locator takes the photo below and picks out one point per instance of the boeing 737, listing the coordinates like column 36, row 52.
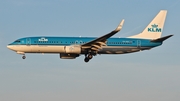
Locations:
column 72, row 47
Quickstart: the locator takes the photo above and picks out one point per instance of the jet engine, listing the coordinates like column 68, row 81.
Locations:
column 68, row 56
column 72, row 49
column 70, row 52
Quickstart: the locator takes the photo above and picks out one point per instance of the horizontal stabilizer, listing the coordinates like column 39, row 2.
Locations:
column 161, row 39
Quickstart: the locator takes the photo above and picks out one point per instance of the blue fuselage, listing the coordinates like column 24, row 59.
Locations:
column 113, row 45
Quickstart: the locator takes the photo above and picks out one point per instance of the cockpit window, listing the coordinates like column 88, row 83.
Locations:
column 17, row 41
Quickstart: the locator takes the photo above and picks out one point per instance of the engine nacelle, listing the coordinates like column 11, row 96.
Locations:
column 72, row 49
column 68, row 56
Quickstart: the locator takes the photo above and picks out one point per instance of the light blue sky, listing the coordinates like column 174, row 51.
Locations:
column 152, row 75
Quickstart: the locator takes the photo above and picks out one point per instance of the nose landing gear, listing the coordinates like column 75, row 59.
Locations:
column 23, row 57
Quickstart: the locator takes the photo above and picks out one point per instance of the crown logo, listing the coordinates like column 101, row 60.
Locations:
column 154, row 26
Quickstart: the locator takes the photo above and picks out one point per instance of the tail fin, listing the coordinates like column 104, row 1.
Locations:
column 155, row 28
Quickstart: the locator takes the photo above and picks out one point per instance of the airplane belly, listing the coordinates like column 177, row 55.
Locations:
column 38, row 49
column 47, row 49
column 118, row 50
column 20, row 48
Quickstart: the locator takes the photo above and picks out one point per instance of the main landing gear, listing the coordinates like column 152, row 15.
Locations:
column 88, row 57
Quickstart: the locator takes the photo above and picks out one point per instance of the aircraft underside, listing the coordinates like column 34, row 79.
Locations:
column 22, row 49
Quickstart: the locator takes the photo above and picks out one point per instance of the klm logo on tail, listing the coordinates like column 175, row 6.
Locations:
column 154, row 28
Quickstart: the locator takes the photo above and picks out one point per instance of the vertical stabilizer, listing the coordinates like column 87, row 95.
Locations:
column 155, row 28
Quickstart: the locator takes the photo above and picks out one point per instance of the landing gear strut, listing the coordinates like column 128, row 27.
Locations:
column 23, row 57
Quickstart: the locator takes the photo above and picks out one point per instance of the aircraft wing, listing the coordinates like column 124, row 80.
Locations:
column 97, row 43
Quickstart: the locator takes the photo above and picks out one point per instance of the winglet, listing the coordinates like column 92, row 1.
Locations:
column 119, row 26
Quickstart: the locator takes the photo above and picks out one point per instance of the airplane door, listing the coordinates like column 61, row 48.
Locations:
column 139, row 43
column 28, row 41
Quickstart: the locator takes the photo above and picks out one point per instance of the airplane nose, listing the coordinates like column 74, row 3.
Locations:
column 9, row 46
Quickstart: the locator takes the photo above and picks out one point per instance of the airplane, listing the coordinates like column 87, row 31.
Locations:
column 72, row 47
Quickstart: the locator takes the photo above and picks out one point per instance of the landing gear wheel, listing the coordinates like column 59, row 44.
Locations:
column 90, row 56
column 86, row 59
column 23, row 57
